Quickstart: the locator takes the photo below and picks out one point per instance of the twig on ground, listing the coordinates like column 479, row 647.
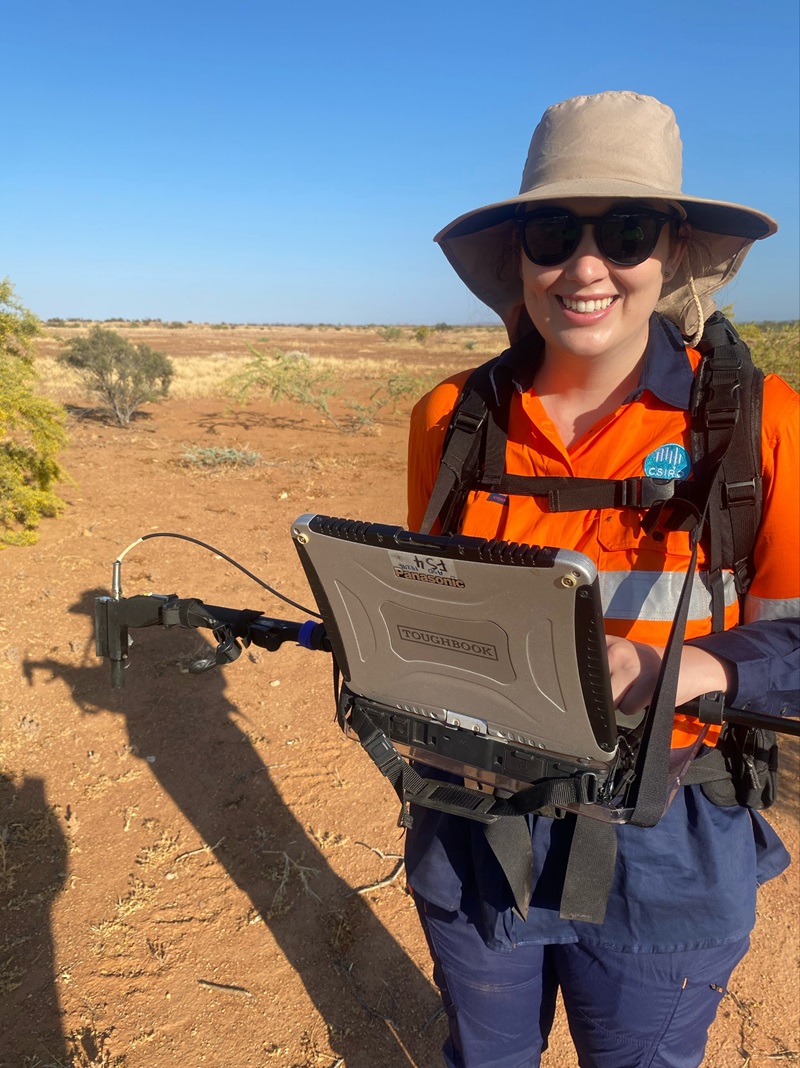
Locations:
column 226, row 988
column 381, row 854
column 346, row 971
column 436, row 1016
column 303, row 873
column 389, row 878
column 202, row 849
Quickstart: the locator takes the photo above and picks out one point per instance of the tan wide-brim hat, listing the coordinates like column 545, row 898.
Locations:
column 620, row 145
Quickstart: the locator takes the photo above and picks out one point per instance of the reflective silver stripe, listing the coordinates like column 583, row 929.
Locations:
column 756, row 608
column 653, row 595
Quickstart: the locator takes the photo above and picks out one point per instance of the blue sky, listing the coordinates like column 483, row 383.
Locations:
column 291, row 162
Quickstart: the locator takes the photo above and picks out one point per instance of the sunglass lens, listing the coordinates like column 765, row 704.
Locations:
column 628, row 239
column 551, row 239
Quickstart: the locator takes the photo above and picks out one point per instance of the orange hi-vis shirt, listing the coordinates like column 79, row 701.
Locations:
column 640, row 575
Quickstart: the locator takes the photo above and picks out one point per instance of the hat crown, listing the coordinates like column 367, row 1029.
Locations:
column 613, row 139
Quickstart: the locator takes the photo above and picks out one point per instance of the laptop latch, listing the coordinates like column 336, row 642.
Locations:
column 466, row 723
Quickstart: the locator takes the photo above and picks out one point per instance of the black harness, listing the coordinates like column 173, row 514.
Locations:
column 725, row 413
column 721, row 504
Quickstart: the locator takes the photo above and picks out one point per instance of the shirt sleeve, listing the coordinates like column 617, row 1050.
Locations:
column 765, row 649
column 766, row 661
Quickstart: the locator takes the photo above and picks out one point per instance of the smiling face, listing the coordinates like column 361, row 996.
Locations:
column 588, row 308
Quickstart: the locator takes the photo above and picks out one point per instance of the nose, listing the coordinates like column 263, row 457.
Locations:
column 586, row 264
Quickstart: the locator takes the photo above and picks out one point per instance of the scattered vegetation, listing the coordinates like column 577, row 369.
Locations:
column 775, row 348
column 294, row 377
column 287, row 376
column 391, row 392
column 31, row 429
column 212, row 456
column 123, row 376
column 390, row 333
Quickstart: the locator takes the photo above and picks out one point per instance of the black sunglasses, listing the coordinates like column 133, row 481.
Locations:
column 552, row 235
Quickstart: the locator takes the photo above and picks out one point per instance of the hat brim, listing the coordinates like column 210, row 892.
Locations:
column 711, row 216
column 478, row 245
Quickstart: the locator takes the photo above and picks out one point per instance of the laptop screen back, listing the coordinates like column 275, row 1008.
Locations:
column 497, row 638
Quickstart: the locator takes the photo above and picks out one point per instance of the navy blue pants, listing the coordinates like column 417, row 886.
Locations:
column 625, row 1010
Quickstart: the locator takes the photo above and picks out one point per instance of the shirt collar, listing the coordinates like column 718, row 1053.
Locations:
column 666, row 370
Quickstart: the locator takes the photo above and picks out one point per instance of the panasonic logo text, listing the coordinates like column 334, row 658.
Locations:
column 437, row 580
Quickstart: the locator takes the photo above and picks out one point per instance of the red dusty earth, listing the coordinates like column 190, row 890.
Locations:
column 200, row 870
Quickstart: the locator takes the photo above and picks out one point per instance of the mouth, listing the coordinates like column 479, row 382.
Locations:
column 586, row 306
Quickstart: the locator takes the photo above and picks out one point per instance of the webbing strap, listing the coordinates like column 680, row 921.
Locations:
column 726, row 437
column 567, row 494
column 510, row 841
column 461, row 452
column 590, row 871
column 650, row 785
column 505, row 825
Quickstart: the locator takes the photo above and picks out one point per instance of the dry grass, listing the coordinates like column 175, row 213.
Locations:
column 206, row 357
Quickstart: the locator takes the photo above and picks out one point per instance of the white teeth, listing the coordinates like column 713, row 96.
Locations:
column 586, row 305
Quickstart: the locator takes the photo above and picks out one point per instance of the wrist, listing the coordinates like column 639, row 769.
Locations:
column 702, row 672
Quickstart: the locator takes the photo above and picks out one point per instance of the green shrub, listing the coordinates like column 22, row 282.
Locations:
column 216, row 456
column 390, row 333
column 123, row 376
column 31, row 430
column 286, row 376
column 422, row 333
column 470, row 345
column 396, row 388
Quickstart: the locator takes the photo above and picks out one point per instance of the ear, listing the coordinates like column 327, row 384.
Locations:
column 678, row 249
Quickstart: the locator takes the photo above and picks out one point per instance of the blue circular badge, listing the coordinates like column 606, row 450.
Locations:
column 668, row 461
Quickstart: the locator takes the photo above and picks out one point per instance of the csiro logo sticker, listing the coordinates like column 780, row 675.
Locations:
column 668, row 461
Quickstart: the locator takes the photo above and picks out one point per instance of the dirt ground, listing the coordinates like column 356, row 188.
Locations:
column 183, row 861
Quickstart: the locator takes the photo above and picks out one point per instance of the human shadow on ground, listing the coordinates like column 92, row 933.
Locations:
column 33, row 860
column 788, row 800
column 374, row 1000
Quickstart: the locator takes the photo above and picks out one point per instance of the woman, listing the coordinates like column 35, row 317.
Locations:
column 603, row 271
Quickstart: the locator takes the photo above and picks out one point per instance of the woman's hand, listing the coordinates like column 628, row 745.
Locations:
column 635, row 666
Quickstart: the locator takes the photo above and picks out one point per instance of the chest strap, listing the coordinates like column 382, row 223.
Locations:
column 566, row 494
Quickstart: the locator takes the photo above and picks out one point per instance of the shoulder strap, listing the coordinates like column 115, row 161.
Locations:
column 726, row 426
column 465, row 445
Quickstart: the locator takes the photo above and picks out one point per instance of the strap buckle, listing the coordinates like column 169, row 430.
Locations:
column 710, row 707
column 721, row 418
column 468, row 421
column 736, row 493
column 381, row 750
column 645, row 492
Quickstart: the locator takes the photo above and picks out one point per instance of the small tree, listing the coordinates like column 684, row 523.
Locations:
column 122, row 375
column 31, row 429
column 286, row 376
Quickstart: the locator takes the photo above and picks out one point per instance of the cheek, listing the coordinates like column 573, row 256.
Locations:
column 536, row 280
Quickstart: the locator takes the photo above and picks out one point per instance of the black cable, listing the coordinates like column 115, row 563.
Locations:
column 224, row 556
